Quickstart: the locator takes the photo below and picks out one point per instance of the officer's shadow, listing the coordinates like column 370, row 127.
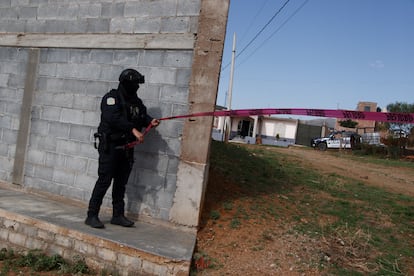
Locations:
column 151, row 185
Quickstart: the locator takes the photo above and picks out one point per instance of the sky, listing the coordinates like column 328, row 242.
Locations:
column 325, row 54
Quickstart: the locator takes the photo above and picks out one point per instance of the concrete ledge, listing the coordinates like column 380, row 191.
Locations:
column 35, row 222
column 99, row 41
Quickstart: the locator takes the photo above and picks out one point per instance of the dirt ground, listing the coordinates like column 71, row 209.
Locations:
column 273, row 247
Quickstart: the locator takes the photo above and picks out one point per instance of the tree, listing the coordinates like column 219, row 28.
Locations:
column 401, row 107
column 348, row 123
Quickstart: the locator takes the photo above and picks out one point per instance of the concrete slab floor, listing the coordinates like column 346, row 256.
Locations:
column 158, row 240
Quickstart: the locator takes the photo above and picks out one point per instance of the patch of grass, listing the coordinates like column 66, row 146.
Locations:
column 38, row 261
column 371, row 222
column 235, row 223
column 214, row 214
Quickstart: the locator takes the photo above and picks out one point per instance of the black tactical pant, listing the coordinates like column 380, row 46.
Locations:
column 114, row 165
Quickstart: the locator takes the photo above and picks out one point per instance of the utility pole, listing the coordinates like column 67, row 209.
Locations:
column 228, row 119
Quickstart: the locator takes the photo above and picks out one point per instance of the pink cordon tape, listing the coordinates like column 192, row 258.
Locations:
column 391, row 117
column 333, row 113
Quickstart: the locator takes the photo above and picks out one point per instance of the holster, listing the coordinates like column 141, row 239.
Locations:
column 103, row 140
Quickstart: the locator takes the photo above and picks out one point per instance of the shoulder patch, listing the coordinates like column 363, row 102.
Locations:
column 110, row 101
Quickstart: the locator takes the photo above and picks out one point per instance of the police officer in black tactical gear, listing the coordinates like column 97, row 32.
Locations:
column 123, row 116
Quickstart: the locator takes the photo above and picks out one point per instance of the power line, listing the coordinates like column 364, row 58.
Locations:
column 276, row 31
column 261, row 30
column 242, row 37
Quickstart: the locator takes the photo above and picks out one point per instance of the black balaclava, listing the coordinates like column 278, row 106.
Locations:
column 129, row 81
column 128, row 89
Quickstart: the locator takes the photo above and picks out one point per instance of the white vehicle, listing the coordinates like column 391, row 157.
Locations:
column 336, row 140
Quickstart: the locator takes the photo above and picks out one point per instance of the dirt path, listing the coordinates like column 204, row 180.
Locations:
column 398, row 180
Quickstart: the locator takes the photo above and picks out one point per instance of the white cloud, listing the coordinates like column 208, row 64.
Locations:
column 378, row 64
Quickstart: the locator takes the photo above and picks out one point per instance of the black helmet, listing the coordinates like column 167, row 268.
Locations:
column 131, row 75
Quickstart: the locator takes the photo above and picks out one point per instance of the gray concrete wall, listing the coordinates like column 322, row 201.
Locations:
column 83, row 46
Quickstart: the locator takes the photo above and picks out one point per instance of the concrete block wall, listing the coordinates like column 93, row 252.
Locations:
column 83, row 46
column 105, row 16
column 12, row 74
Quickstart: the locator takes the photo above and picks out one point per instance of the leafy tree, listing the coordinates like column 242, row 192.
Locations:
column 348, row 123
column 401, row 107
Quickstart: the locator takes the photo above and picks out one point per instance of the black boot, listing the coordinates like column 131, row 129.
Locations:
column 121, row 220
column 94, row 222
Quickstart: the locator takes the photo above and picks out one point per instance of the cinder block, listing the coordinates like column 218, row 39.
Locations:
column 89, row 10
column 45, row 173
column 97, row 25
column 150, row 8
column 79, row 56
column 175, row 25
column 85, row 181
column 43, row 143
column 102, row 56
column 13, row 108
column 17, row 238
column 91, row 118
column 53, row 249
column 178, row 59
column 63, row 176
column 97, row 88
column 35, row 26
column 152, row 58
column 80, row 133
column 16, row 81
column 149, row 92
column 110, row 73
column 174, row 94
column 88, row 150
column 47, row 69
column 132, row 263
column 77, row 164
column 50, row 11
column 9, row 136
column 57, row 55
column 4, row 79
column 36, row 156
column 5, row 121
column 55, row 160
column 107, row 255
column 112, row 10
column 71, row 116
column 50, row 113
column 67, row 147
column 188, row 7
column 183, row 77
column 122, row 25
column 84, row 102
column 126, row 58
column 63, row 241
column 173, row 147
column 162, row 76
column 8, row 13
column 34, row 243
column 75, row 26
column 85, row 248
column 147, row 25
column 92, row 167
column 46, row 235
column 69, row 11
column 58, row 129
column 5, row 4
column 152, row 268
column 4, row 234
column 62, row 99
column 27, row 12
